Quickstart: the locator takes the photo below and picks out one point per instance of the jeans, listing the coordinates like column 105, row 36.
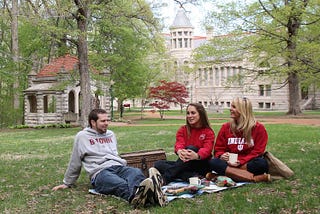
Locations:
column 257, row 166
column 121, row 181
column 172, row 170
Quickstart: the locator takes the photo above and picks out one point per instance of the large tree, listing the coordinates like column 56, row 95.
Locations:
column 115, row 35
column 282, row 36
column 125, row 43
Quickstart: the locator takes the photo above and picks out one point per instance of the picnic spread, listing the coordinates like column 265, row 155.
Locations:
column 181, row 189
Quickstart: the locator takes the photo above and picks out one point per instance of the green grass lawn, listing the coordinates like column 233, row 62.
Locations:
column 34, row 160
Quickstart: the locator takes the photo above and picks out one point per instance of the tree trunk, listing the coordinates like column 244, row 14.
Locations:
column 15, row 53
column 87, row 102
column 293, row 26
column 294, row 94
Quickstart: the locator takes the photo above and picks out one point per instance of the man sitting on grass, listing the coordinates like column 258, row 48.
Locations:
column 95, row 148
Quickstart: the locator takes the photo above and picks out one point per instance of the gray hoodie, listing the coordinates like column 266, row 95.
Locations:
column 94, row 151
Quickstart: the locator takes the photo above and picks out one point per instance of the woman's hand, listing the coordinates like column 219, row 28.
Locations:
column 225, row 156
column 235, row 164
column 187, row 155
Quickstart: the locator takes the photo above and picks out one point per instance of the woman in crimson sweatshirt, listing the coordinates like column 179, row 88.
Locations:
column 194, row 144
column 247, row 138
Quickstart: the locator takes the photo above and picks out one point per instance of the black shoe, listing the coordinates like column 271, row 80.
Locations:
column 144, row 193
column 159, row 196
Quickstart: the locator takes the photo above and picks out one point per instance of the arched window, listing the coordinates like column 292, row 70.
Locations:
column 71, row 102
column 32, row 103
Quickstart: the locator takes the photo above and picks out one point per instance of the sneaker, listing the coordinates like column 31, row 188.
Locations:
column 144, row 193
column 159, row 196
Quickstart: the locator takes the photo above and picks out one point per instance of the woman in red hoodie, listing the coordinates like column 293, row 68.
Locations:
column 247, row 138
column 194, row 144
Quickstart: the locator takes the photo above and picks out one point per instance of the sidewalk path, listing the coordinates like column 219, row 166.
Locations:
column 309, row 120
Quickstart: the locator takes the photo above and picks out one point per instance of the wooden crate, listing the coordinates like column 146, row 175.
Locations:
column 144, row 159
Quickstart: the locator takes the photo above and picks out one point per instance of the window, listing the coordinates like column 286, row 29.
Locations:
column 265, row 90
column 32, row 103
column 175, row 66
column 261, row 90
column 200, row 77
column 229, row 73
column 223, row 76
column 205, row 76
column 185, row 43
column 268, row 90
column 49, row 104
column 211, row 76
column 180, row 43
column 260, row 105
column 234, row 69
column 268, row 105
column 217, row 76
column 71, row 102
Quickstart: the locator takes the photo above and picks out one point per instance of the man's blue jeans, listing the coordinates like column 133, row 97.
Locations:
column 121, row 181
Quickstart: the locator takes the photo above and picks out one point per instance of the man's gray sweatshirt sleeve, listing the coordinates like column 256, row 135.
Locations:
column 74, row 168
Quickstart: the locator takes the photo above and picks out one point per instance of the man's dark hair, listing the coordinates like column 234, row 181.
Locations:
column 94, row 115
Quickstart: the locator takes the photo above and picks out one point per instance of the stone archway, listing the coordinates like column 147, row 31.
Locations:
column 71, row 102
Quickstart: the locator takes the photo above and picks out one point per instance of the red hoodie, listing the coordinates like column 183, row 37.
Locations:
column 202, row 138
column 228, row 142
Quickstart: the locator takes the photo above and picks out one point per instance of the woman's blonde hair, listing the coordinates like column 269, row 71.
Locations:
column 246, row 121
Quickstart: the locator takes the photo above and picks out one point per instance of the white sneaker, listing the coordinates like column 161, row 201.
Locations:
column 157, row 179
column 144, row 192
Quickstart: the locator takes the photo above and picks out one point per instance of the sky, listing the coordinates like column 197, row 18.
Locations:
column 196, row 15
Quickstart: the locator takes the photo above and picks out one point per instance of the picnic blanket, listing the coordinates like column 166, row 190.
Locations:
column 212, row 188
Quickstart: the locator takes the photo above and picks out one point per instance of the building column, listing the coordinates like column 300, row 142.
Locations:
column 40, row 113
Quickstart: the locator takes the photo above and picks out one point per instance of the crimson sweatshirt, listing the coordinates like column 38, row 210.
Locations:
column 228, row 142
column 202, row 138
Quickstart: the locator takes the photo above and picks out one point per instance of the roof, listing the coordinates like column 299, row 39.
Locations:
column 41, row 87
column 181, row 20
column 67, row 63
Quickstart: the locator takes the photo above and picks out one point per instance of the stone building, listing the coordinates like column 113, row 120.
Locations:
column 210, row 84
column 53, row 94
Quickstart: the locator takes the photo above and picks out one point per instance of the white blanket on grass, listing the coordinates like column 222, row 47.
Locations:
column 207, row 189
column 178, row 184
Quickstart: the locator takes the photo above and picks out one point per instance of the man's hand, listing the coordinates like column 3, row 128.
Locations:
column 62, row 186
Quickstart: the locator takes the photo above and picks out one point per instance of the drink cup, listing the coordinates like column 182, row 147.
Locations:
column 233, row 157
column 194, row 181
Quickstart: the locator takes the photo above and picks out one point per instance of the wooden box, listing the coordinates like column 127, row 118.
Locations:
column 144, row 159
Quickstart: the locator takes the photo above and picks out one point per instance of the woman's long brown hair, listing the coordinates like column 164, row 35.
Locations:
column 204, row 121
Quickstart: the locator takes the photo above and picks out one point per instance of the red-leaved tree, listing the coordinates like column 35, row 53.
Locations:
column 166, row 93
